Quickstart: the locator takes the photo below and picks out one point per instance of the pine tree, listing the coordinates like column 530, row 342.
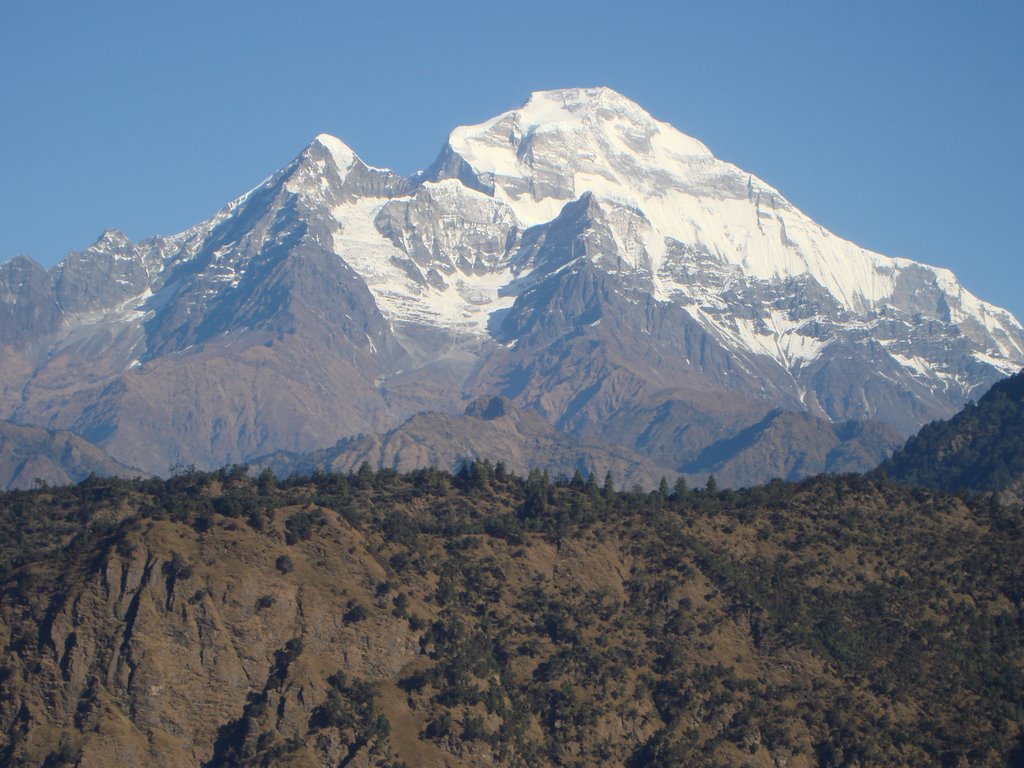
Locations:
column 712, row 485
column 609, row 486
column 364, row 475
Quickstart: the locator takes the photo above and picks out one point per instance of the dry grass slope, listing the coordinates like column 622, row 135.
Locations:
column 377, row 619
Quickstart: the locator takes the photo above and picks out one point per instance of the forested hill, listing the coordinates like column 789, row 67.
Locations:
column 981, row 449
column 377, row 619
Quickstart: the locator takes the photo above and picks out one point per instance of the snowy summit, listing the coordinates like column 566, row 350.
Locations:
column 575, row 255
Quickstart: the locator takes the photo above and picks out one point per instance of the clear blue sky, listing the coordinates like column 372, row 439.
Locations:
column 896, row 125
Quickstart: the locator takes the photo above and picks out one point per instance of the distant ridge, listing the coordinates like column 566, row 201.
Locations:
column 783, row 445
column 30, row 455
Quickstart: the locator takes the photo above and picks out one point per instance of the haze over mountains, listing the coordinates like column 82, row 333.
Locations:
column 576, row 257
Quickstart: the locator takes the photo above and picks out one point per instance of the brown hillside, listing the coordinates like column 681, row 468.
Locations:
column 424, row 620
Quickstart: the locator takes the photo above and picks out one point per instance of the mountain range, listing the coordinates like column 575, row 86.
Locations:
column 655, row 307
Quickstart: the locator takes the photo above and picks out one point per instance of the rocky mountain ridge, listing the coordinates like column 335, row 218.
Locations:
column 575, row 256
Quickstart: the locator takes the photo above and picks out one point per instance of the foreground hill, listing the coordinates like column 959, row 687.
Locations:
column 980, row 449
column 377, row 619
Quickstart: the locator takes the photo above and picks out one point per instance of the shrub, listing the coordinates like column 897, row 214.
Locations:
column 265, row 601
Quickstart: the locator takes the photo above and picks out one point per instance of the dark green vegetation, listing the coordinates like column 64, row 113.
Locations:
column 981, row 449
column 481, row 619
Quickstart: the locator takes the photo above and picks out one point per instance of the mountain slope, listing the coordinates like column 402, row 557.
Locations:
column 491, row 428
column 981, row 449
column 753, row 270
column 782, row 445
column 249, row 336
column 576, row 256
column 794, row 445
column 30, row 454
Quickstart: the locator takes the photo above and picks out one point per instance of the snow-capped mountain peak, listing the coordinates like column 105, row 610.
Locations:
column 340, row 152
column 112, row 238
column 575, row 254
column 563, row 143
column 598, row 122
column 325, row 163
column 705, row 222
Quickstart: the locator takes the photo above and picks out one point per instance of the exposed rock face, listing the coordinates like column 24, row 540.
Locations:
column 161, row 651
column 445, row 231
column 575, row 256
column 26, row 302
